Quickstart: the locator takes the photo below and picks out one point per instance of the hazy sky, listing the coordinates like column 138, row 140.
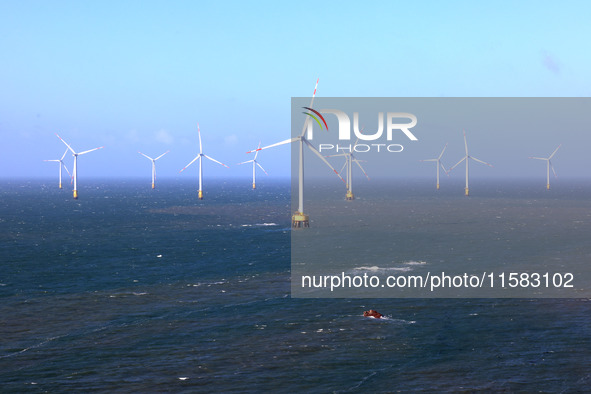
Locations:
column 140, row 75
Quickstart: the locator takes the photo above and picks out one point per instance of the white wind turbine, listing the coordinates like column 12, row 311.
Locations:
column 349, row 160
column 549, row 165
column 153, row 165
column 200, row 156
column 466, row 158
column 299, row 218
column 439, row 164
column 75, row 170
column 62, row 164
column 254, row 164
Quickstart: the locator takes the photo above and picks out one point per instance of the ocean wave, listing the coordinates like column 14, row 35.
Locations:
column 375, row 268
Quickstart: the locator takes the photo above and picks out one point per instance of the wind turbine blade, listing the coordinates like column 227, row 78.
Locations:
column 310, row 106
column 538, row 158
column 552, row 167
column 192, row 161
column 53, row 160
column 161, row 155
column 443, row 167
column 66, row 168
column 64, row 155
column 553, row 153
column 340, row 154
column 199, row 132
column 216, row 161
column 257, row 151
column 444, row 148
column 429, row 160
column 277, row 144
column 69, row 147
column 313, row 149
column 359, row 164
column 90, row 150
column 344, row 165
column 480, row 161
column 465, row 142
column 144, row 155
column 261, row 167
column 244, row 162
column 458, row 163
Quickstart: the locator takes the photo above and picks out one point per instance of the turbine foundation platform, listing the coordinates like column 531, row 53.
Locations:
column 75, row 194
column 467, row 191
column 547, row 186
column 153, row 186
column 349, row 195
column 438, row 186
column 201, row 194
column 300, row 220
column 254, row 186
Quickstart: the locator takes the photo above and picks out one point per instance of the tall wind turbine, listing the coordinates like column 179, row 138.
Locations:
column 466, row 158
column 153, row 165
column 439, row 164
column 75, row 170
column 349, row 160
column 62, row 164
column 299, row 218
column 549, row 165
column 200, row 157
column 254, row 164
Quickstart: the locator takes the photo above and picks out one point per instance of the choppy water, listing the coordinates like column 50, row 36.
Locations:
column 129, row 289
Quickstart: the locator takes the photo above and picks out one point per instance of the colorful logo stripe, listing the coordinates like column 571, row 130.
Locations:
column 315, row 118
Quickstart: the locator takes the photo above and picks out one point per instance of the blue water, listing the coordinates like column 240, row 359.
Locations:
column 130, row 289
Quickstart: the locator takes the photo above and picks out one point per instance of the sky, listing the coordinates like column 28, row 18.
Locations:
column 140, row 75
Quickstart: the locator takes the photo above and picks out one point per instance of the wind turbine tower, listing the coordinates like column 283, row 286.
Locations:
column 549, row 165
column 467, row 159
column 200, row 157
column 254, row 164
column 299, row 218
column 153, row 166
column 438, row 164
column 75, row 170
column 62, row 164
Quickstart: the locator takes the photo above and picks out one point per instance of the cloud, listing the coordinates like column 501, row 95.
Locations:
column 231, row 139
column 550, row 62
column 164, row 137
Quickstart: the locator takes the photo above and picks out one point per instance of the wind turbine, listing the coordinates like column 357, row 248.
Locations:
column 439, row 164
column 548, row 166
column 75, row 170
column 62, row 164
column 200, row 156
column 299, row 218
column 349, row 160
column 466, row 158
column 153, row 165
column 254, row 164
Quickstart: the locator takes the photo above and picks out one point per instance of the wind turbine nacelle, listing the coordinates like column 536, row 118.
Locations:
column 345, row 126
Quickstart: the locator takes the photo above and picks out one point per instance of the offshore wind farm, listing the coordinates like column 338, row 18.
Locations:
column 217, row 279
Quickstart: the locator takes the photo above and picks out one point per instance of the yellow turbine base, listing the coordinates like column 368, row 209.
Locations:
column 300, row 220
column 438, row 186
column 254, row 186
column 547, row 186
column 60, row 185
column 200, row 194
column 349, row 195
column 153, row 185
column 75, row 194
column 467, row 191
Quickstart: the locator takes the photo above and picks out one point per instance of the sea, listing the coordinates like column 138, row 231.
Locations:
column 129, row 289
